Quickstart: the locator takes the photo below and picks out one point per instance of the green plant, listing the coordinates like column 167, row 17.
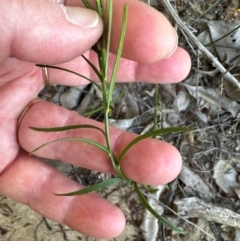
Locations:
column 106, row 87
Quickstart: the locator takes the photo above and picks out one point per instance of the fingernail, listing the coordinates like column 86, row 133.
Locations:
column 81, row 16
column 175, row 46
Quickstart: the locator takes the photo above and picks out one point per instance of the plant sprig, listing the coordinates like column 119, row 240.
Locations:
column 102, row 49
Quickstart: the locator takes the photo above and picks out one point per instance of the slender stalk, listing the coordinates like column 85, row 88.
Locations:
column 224, row 36
column 213, row 5
column 156, row 107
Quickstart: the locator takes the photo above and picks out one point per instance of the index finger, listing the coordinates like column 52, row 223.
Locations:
column 150, row 36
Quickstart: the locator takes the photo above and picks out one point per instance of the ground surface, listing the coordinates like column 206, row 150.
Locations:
column 210, row 153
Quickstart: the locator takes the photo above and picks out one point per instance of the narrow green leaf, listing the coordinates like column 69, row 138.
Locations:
column 85, row 140
column 156, row 107
column 155, row 214
column 224, row 36
column 65, row 128
column 87, row 4
column 96, row 49
column 93, row 68
column 91, row 112
column 93, row 188
column 150, row 134
column 107, row 27
column 150, row 189
column 119, row 53
column 207, row 10
column 70, row 71
column 99, row 7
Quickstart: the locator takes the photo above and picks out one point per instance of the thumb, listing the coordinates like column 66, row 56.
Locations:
column 45, row 31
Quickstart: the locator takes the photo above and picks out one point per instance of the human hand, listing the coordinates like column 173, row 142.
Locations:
column 40, row 32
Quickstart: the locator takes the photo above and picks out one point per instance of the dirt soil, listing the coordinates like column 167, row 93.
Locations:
column 211, row 152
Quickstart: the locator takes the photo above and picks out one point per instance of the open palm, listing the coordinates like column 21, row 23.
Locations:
column 40, row 32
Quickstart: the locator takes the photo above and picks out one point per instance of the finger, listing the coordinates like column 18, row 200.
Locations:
column 149, row 38
column 150, row 161
column 169, row 70
column 15, row 96
column 33, row 183
column 46, row 32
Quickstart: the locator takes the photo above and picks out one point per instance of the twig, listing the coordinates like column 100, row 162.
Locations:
column 179, row 215
column 63, row 232
column 197, row 208
column 36, row 230
column 186, row 220
column 14, row 231
column 216, row 231
column 193, row 38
